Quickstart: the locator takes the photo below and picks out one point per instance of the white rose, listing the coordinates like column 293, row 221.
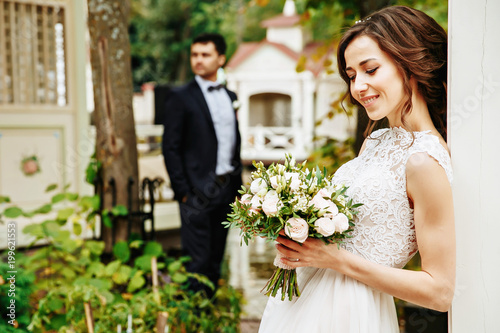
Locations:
column 319, row 202
column 331, row 209
column 271, row 204
column 274, row 182
column 294, row 180
column 325, row 226
column 297, row 229
column 236, row 104
column 341, row 222
column 256, row 203
column 258, row 185
column 246, row 199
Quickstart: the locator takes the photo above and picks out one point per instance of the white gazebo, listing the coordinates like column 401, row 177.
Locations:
column 280, row 106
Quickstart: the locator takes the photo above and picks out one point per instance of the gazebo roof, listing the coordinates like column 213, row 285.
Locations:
column 245, row 50
column 281, row 21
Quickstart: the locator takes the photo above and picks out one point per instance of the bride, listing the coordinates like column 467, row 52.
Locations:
column 395, row 66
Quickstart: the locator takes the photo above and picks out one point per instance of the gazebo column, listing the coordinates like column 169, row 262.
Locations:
column 474, row 127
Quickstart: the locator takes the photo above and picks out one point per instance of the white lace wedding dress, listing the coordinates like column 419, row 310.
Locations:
column 384, row 233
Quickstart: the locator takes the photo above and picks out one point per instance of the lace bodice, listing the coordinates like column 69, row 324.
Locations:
column 384, row 229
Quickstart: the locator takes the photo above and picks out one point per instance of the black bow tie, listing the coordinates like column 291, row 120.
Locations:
column 217, row 87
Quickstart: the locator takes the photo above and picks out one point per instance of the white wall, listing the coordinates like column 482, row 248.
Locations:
column 474, row 128
column 293, row 37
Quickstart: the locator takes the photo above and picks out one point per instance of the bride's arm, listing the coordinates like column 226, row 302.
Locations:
column 433, row 286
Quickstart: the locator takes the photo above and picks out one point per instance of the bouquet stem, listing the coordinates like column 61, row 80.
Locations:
column 285, row 280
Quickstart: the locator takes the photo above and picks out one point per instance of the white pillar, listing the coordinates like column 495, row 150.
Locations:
column 474, row 129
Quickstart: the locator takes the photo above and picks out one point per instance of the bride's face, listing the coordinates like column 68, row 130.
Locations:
column 375, row 81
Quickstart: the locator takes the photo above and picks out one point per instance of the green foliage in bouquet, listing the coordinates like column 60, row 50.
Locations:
column 300, row 202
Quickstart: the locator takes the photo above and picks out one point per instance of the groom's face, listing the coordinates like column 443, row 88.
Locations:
column 205, row 60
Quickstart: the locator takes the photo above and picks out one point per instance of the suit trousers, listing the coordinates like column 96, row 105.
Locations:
column 203, row 237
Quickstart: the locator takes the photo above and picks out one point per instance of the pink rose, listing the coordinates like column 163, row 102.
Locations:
column 297, row 229
column 325, row 226
column 30, row 167
column 341, row 222
column 271, row 204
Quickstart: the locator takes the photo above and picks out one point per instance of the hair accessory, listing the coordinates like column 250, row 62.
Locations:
column 363, row 20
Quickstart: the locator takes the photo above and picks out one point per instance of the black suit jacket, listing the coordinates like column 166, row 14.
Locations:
column 190, row 143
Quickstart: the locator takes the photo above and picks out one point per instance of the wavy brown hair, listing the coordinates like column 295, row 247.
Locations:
column 418, row 45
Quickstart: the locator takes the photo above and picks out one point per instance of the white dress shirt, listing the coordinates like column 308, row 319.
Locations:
column 224, row 119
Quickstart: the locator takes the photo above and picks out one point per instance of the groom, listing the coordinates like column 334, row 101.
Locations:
column 201, row 147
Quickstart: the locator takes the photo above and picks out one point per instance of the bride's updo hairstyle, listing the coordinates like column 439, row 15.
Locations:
column 418, row 46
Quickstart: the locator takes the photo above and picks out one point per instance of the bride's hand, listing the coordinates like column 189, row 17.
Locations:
column 313, row 252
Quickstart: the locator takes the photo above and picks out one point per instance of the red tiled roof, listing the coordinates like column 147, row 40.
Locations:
column 281, row 21
column 314, row 63
column 243, row 51
column 247, row 49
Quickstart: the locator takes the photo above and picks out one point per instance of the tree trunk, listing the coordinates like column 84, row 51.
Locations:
column 116, row 145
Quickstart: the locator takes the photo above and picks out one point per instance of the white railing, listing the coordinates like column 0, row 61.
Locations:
column 271, row 143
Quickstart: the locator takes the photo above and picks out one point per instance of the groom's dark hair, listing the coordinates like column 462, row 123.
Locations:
column 217, row 39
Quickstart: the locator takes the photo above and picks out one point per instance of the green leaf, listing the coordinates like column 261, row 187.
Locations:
column 68, row 273
column 112, row 267
column 102, row 284
column 12, row 212
column 56, row 322
column 121, row 251
column 55, row 304
column 28, row 214
column 143, row 262
column 51, row 228
column 122, row 275
column 64, row 242
column 174, row 267
column 90, row 202
column 4, row 199
column 65, row 213
column 119, row 210
column 96, row 268
column 136, row 282
column 154, row 249
column 77, row 228
column 44, row 209
column 179, row 278
column 96, row 247
column 136, row 244
column 34, row 229
column 71, row 196
column 107, row 295
column 51, row 187
column 58, row 198
column 107, row 221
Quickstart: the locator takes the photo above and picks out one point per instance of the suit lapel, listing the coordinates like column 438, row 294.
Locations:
column 202, row 103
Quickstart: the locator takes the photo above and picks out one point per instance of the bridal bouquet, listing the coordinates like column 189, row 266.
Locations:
column 301, row 202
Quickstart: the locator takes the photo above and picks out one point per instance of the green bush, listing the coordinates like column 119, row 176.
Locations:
column 69, row 271
column 332, row 154
column 19, row 295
